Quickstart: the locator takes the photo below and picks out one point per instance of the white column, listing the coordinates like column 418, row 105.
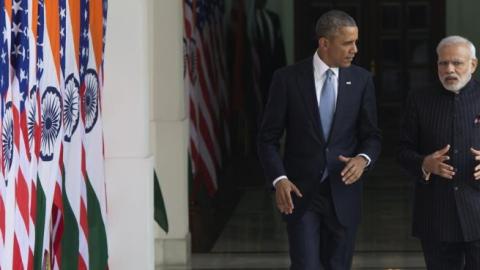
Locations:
column 170, row 131
column 129, row 160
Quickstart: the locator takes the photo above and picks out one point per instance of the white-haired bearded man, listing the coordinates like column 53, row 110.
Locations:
column 439, row 147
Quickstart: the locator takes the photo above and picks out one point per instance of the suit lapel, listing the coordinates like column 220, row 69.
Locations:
column 343, row 78
column 306, row 83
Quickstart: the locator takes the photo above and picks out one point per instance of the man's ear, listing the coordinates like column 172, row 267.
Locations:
column 474, row 65
column 323, row 43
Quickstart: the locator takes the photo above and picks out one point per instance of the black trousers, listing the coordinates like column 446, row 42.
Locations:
column 318, row 241
column 451, row 255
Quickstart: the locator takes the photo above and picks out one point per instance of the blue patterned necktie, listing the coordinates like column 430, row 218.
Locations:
column 327, row 103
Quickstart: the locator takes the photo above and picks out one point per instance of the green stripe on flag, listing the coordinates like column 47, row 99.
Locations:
column 70, row 239
column 39, row 227
column 160, row 213
column 97, row 238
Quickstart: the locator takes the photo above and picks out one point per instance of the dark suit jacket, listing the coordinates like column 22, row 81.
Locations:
column 444, row 210
column 292, row 107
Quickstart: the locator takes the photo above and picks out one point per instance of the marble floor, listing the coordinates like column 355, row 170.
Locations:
column 255, row 238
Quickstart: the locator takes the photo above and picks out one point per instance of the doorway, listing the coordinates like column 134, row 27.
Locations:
column 397, row 40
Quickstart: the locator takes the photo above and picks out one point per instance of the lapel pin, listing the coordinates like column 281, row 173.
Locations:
column 476, row 121
column 349, row 83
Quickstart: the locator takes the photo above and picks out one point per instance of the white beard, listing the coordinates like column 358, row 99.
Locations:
column 457, row 86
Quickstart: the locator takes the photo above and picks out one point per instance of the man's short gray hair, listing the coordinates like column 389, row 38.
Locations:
column 330, row 22
column 457, row 40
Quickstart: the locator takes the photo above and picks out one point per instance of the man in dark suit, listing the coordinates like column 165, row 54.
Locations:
column 440, row 138
column 326, row 107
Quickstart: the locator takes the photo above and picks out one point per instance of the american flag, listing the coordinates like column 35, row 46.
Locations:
column 202, row 118
column 20, row 165
column 4, row 86
column 205, row 83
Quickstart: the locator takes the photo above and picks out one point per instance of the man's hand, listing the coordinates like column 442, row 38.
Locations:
column 354, row 167
column 283, row 197
column 476, row 154
column 435, row 163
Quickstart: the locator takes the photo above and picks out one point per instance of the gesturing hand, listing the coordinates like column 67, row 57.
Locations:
column 476, row 154
column 354, row 167
column 283, row 197
column 435, row 163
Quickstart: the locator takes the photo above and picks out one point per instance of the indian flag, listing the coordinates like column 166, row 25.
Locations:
column 74, row 241
column 51, row 124
column 92, row 29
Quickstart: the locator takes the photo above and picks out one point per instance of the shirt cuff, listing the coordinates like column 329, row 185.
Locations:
column 281, row 177
column 366, row 157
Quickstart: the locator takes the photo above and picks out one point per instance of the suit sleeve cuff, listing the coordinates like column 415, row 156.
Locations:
column 281, row 177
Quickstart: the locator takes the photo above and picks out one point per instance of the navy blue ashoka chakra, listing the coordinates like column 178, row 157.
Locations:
column 91, row 99
column 71, row 107
column 32, row 115
column 51, row 122
column 7, row 138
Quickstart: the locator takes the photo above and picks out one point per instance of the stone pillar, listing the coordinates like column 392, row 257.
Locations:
column 126, row 110
column 170, row 131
